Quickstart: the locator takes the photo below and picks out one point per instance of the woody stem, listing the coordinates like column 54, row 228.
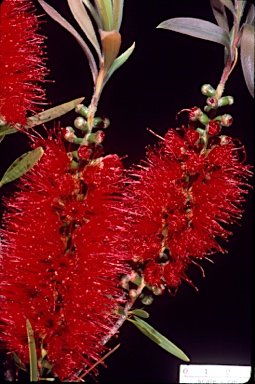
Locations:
column 122, row 318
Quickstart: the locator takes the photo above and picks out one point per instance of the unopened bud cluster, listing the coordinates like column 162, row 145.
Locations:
column 90, row 138
column 212, row 126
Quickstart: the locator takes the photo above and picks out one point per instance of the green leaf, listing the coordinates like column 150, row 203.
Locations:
column 220, row 14
column 21, row 165
column 104, row 8
column 81, row 16
column 117, row 13
column 7, row 130
column 198, row 28
column 247, row 56
column 146, row 331
column 65, row 24
column 94, row 13
column 32, row 352
column 140, row 313
column 53, row 113
column 161, row 340
column 18, row 362
column 119, row 61
column 111, row 45
column 240, row 10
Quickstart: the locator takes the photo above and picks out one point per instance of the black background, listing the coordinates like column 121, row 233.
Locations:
column 163, row 75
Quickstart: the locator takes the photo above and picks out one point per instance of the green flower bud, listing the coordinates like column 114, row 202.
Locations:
column 208, row 90
column 80, row 123
column 95, row 138
column 132, row 294
column 158, row 290
column 163, row 256
column 135, row 278
column 226, row 120
column 68, row 134
column 204, row 119
column 207, row 108
column 201, row 131
column 226, row 100
column 147, row 300
column 77, row 140
column 124, row 283
column 102, row 123
column 82, row 110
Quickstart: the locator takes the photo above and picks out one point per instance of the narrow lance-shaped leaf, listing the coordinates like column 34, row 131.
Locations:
column 117, row 13
column 145, row 331
column 104, row 8
column 229, row 5
column 247, row 56
column 119, row 61
column 240, row 10
column 32, row 352
column 94, row 13
column 65, row 24
column 140, row 313
column 53, row 113
column 158, row 338
column 220, row 14
column 197, row 28
column 21, row 165
column 81, row 16
column 250, row 15
column 7, row 129
column 111, row 45
column 19, row 363
column 42, row 117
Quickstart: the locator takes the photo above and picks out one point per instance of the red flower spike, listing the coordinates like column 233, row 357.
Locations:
column 168, row 211
column 213, row 127
column 62, row 259
column 21, row 61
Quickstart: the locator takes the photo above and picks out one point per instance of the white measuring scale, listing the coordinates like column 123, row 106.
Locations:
column 223, row 374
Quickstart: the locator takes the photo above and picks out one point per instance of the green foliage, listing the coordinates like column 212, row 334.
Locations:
column 22, row 165
column 158, row 338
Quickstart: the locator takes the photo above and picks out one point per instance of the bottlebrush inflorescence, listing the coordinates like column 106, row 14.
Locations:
column 22, row 65
column 184, row 194
column 62, row 255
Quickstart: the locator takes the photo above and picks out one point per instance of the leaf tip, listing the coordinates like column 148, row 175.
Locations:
column 161, row 25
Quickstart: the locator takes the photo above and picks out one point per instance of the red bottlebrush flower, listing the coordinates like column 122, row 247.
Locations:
column 153, row 274
column 173, row 272
column 62, row 259
column 21, row 61
column 181, row 197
